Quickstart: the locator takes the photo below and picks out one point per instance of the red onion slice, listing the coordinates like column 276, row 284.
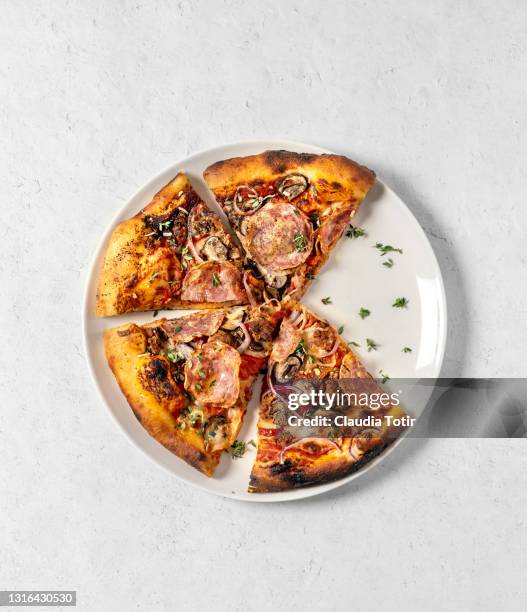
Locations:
column 246, row 341
column 247, row 288
column 332, row 351
column 193, row 250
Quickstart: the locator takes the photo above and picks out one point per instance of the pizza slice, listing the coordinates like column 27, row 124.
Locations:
column 296, row 452
column 288, row 210
column 175, row 253
column 188, row 380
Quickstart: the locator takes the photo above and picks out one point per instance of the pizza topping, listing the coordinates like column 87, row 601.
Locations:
column 216, row 433
column 359, row 444
column 246, row 200
column 287, row 341
column 293, row 185
column 247, row 288
column 213, row 281
column 191, row 251
column 320, row 341
column 213, row 249
column 279, row 236
column 286, row 371
column 351, row 367
column 211, row 374
column 277, row 281
column 192, row 326
column 333, row 228
column 244, row 345
column 311, row 446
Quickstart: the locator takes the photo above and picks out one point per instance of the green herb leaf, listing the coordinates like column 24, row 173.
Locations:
column 353, row 343
column 355, row 232
column 237, row 449
column 364, row 312
column 340, row 329
column 178, row 328
column 300, row 242
column 310, row 276
column 385, row 376
column 154, row 275
column 400, row 302
column 387, row 248
column 186, row 254
column 216, row 282
column 326, row 300
column 301, row 347
column 311, row 358
column 388, row 263
column 407, row 349
column 371, row 344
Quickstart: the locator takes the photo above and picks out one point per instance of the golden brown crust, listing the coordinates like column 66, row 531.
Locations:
column 123, row 347
column 342, row 178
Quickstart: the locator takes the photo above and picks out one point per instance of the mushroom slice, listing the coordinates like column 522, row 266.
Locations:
column 286, row 371
column 293, row 185
column 216, row 433
column 213, row 249
column 275, row 280
column 233, row 318
column 183, row 350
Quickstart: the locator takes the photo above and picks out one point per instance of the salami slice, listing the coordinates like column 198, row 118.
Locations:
column 212, row 374
column 332, row 229
column 214, row 281
column 287, row 341
column 279, row 236
column 192, row 326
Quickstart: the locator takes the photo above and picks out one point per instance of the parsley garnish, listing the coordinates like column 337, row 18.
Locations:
column 186, row 253
column 216, row 282
column 400, row 302
column 237, row 449
column 340, row 329
column 407, row 349
column 311, row 358
column 154, row 275
column 199, row 387
column 300, row 242
column 371, row 344
column 178, row 328
column 385, row 376
column 301, row 348
column 173, row 357
column 310, row 276
column 388, row 263
column 326, row 300
column 355, row 232
column 387, row 248
column 364, row 312
column 164, row 225
column 353, row 343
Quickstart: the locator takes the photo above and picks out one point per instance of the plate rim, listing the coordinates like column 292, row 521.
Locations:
column 93, row 269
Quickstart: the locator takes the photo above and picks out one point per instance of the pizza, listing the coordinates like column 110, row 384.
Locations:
column 175, row 253
column 308, row 349
column 289, row 211
column 188, row 379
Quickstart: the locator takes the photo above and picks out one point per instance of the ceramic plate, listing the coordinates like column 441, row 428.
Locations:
column 353, row 278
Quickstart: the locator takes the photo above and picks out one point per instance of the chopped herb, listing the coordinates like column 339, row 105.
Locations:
column 340, row 329
column 156, row 312
column 173, row 282
column 172, row 243
column 154, row 275
column 164, row 225
column 388, row 263
column 300, row 242
column 173, row 357
column 212, row 383
column 385, row 376
column 314, row 191
column 355, row 232
column 216, row 282
column 182, row 425
column 364, row 312
column 311, row 358
column 186, row 254
column 237, row 450
column 301, row 348
column 310, row 276
column 407, row 349
column 199, row 356
column 211, row 433
column 400, row 302
column 353, row 343
column 199, row 387
column 202, row 374
column 387, row 248
column 178, row 328
column 252, row 443
column 194, row 416
column 326, row 300
column 371, row 344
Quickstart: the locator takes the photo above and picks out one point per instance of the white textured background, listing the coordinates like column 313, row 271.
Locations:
column 99, row 96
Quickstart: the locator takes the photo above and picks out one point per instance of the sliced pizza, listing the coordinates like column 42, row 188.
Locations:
column 175, row 253
column 288, row 210
column 308, row 450
column 188, row 379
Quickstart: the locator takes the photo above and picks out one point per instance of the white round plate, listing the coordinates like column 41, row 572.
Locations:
column 354, row 277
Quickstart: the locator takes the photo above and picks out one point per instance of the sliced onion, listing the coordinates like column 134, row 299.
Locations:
column 252, row 301
column 298, row 319
column 333, row 350
column 303, row 441
column 237, row 209
column 246, row 341
column 193, row 250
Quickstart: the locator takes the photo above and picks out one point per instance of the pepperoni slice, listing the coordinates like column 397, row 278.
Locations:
column 279, row 236
column 212, row 374
column 287, row 341
column 333, row 228
column 193, row 326
column 214, row 281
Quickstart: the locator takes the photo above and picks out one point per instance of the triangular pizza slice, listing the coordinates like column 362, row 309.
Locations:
column 175, row 253
column 288, row 211
column 188, row 379
column 304, row 443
